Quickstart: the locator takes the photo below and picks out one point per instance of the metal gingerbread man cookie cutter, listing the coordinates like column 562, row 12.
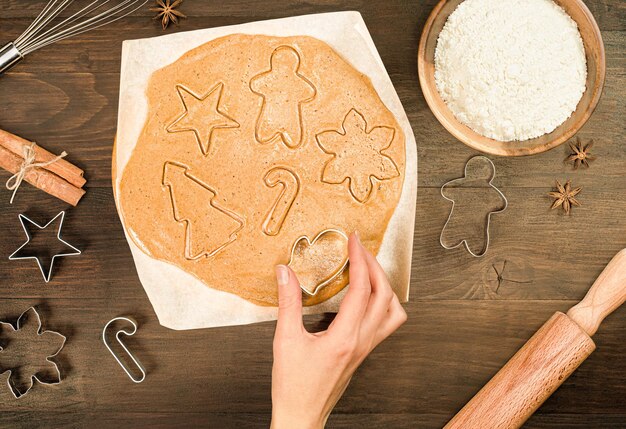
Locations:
column 488, row 222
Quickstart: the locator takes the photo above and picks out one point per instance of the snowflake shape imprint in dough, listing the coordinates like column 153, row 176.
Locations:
column 357, row 155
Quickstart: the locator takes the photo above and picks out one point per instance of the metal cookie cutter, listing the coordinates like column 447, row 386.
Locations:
column 51, row 25
column 310, row 243
column 12, row 387
column 16, row 255
column 490, row 183
column 121, row 343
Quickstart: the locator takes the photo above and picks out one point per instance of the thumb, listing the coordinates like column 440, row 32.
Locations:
column 289, row 301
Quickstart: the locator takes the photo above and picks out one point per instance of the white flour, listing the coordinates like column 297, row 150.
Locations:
column 510, row 69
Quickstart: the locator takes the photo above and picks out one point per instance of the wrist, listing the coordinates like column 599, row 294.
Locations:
column 281, row 420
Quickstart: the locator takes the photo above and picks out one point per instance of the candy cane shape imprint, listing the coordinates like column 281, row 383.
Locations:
column 290, row 184
column 283, row 90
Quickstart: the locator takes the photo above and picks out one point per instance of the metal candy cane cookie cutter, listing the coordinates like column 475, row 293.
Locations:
column 121, row 343
column 313, row 291
column 16, row 255
column 488, row 222
column 34, row 377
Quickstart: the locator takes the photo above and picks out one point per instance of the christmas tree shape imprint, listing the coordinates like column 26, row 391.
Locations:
column 283, row 90
column 202, row 116
column 357, row 155
column 209, row 228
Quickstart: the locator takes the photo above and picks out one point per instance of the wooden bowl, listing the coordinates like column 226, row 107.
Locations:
column 596, row 68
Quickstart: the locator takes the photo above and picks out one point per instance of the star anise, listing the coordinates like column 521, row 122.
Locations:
column 167, row 12
column 564, row 197
column 580, row 154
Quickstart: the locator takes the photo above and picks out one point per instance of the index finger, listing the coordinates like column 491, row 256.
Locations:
column 354, row 304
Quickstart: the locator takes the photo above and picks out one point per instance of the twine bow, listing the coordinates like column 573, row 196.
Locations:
column 29, row 163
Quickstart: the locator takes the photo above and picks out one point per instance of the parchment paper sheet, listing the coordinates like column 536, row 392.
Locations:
column 180, row 300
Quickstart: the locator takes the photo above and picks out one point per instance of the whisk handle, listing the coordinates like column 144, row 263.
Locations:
column 9, row 56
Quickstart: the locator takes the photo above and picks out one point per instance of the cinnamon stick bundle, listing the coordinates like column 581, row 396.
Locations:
column 59, row 178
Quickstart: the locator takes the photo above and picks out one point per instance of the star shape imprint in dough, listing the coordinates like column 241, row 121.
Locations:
column 202, row 115
column 357, row 155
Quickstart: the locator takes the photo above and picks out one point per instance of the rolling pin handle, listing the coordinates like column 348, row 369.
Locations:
column 607, row 294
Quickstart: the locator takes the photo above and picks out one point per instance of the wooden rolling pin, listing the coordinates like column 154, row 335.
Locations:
column 547, row 359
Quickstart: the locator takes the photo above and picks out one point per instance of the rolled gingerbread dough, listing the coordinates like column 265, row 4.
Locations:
column 181, row 300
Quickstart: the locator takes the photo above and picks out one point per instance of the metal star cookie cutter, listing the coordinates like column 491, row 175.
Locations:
column 121, row 343
column 18, row 325
column 310, row 242
column 488, row 222
column 46, row 276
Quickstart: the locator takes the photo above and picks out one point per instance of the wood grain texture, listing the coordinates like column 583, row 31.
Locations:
column 467, row 316
column 528, row 378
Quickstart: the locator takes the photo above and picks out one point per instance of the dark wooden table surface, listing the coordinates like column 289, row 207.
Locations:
column 465, row 319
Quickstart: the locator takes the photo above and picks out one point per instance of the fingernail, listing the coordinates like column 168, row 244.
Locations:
column 282, row 275
column 358, row 238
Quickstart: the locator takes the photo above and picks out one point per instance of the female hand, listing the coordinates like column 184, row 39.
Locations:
column 311, row 371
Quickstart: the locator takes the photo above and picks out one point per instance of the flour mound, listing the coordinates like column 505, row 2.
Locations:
column 510, row 69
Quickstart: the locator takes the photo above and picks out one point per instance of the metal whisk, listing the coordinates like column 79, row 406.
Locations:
column 47, row 29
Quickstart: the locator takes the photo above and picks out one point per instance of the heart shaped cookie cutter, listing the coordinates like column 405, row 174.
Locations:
column 310, row 242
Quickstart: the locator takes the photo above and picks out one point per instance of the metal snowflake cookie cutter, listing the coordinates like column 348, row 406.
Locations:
column 121, row 343
column 313, row 291
column 18, row 326
column 15, row 255
column 488, row 222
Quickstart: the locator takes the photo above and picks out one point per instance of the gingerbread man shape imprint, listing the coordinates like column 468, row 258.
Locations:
column 283, row 90
column 203, row 115
column 355, row 141
column 474, row 199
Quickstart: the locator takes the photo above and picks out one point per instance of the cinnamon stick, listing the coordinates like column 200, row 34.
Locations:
column 61, row 168
column 42, row 178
